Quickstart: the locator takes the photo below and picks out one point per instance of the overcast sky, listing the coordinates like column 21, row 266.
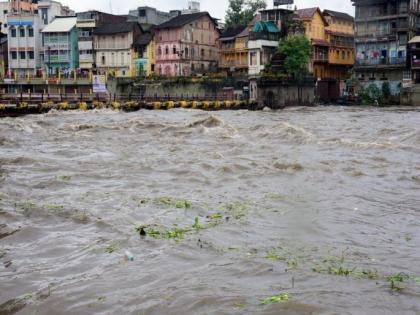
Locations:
column 216, row 7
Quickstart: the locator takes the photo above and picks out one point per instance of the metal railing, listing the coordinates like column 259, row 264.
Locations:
column 382, row 61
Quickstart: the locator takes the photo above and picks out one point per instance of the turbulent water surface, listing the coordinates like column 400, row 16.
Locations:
column 237, row 207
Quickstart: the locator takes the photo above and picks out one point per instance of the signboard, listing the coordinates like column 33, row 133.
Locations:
column 99, row 84
column 283, row 2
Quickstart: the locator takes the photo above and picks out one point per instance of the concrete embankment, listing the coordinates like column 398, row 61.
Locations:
column 24, row 108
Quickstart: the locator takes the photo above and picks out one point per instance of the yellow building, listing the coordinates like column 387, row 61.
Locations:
column 340, row 35
column 332, row 36
column 144, row 56
column 233, row 44
column 315, row 31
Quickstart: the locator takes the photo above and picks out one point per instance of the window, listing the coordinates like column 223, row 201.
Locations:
column 103, row 60
column 21, row 32
column 202, row 53
column 166, row 50
column 30, row 32
column 22, row 55
column 174, row 50
column 13, row 32
column 186, row 52
column 159, row 51
column 14, row 55
column 253, row 58
column 31, row 55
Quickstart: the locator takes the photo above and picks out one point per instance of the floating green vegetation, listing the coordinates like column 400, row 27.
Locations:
column 168, row 202
column 274, row 256
column 275, row 196
column 25, row 205
column 237, row 210
column 215, row 217
column 53, row 206
column 101, row 298
column 111, row 248
column 284, row 297
column 63, row 178
column 197, row 224
column 396, row 282
column 157, row 232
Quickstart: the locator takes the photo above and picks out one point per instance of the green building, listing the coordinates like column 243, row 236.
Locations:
column 60, row 46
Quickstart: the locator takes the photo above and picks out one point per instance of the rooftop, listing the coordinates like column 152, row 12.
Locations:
column 181, row 20
column 61, row 25
column 339, row 15
column 115, row 28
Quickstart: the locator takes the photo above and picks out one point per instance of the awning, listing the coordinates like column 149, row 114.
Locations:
column 320, row 42
column 415, row 40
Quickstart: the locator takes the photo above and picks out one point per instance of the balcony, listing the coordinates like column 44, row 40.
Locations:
column 383, row 62
column 320, row 57
column 264, row 36
column 87, row 23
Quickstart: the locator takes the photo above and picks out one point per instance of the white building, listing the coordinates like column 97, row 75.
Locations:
column 24, row 32
column 4, row 10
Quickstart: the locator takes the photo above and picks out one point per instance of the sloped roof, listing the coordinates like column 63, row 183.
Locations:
column 232, row 32
column 307, row 14
column 144, row 39
column 339, row 15
column 415, row 40
column 61, row 25
column 183, row 19
column 115, row 28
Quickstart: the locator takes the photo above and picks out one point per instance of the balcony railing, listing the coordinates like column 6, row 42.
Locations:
column 320, row 57
column 264, row 36
column 382, row 61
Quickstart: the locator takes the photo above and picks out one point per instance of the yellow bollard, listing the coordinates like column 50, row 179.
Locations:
column 217, row 105
column 183, row 104
column 170, row 104
column 156, row 105
column 83, row 106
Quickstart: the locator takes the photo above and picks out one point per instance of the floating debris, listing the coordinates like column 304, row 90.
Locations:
column 284, row 297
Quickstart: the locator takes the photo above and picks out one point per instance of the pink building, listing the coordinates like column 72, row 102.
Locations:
column 187, row 44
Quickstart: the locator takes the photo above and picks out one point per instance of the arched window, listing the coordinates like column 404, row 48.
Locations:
column 13, row 32
column 30, row 32
column 159, row 51
column 166, row 50
column 174, row 50
column 186, row 52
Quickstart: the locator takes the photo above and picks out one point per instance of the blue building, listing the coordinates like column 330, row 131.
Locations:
column 60, row 46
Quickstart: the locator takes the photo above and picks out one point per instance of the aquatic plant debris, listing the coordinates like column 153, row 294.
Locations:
column 284, row 297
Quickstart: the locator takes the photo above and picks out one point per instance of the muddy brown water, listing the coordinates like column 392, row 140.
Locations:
column 321, row 203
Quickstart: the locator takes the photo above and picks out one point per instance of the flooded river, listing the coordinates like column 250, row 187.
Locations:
column 295, row 212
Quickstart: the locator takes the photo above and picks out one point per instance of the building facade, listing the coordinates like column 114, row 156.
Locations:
column 115, row 46
column 340, row 36
column 86, row 24
column 4, row 10
column 149, row 15
column 60, row 46
column 25, row 21
column 233, row 50
column 315, row 30
column 145, row 54
column 383, row 30
column 187, row 44
column 267, row 29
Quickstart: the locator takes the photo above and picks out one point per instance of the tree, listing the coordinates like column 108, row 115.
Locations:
column 241, row 12
column 297, row 52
